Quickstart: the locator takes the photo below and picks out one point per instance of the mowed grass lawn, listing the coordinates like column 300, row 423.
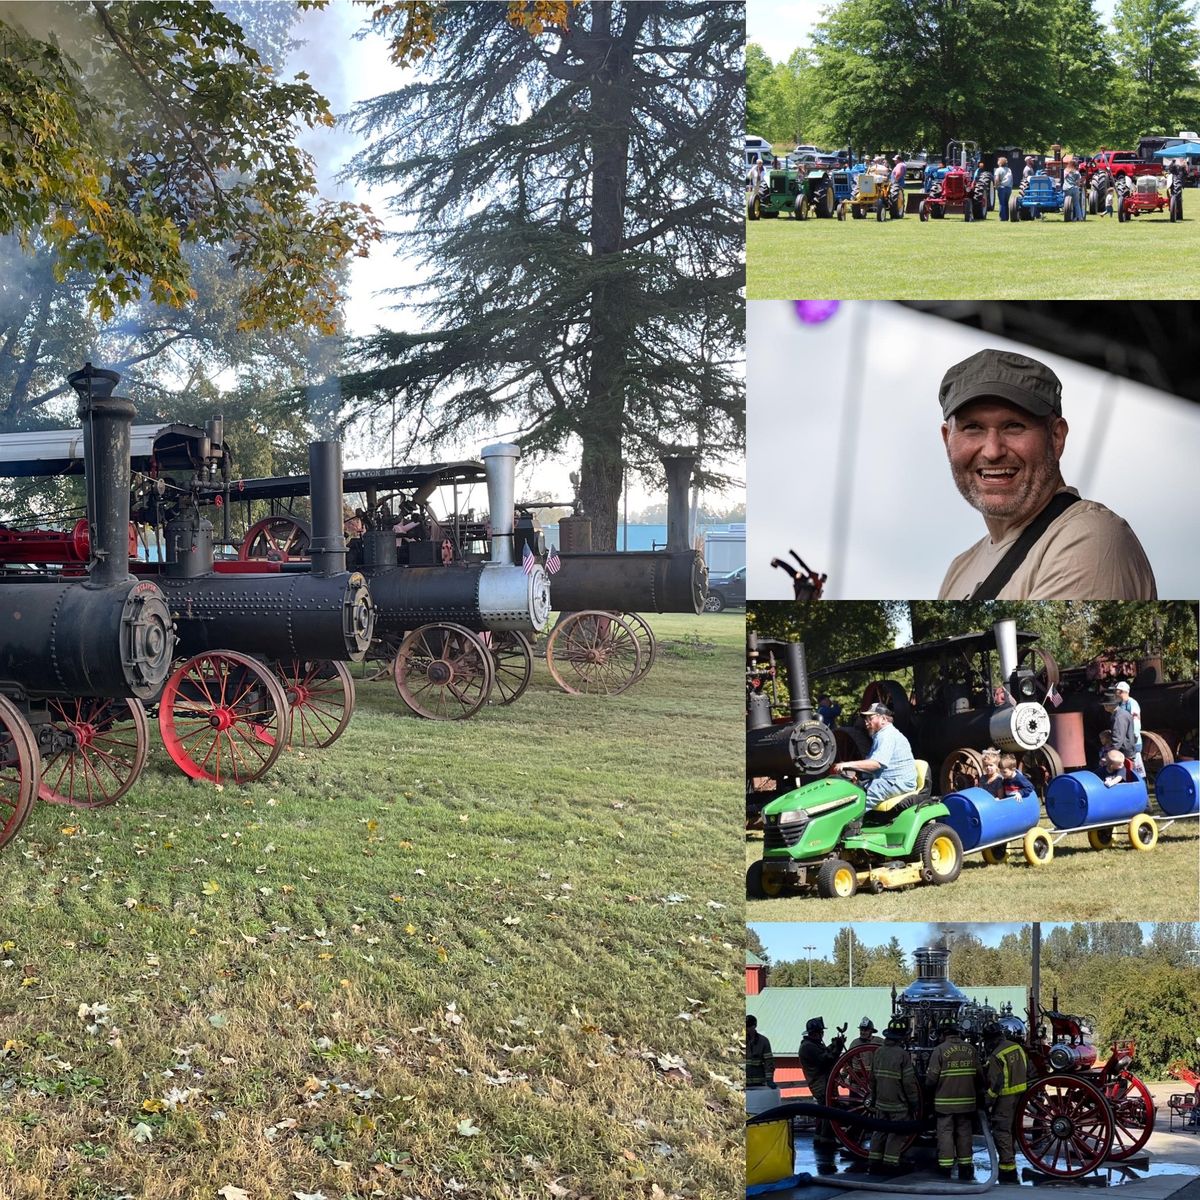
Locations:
column 492, row 958
column 1097, row 259
column 1080, row 884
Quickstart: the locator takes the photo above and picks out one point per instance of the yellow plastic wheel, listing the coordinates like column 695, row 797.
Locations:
column 995, row 855
column 1039, row 849
column 1143, row 832
column 1102, row 838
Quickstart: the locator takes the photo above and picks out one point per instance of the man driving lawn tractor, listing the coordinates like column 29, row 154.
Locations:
column 840, row 835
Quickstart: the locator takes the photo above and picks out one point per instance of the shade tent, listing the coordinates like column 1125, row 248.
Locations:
column 1184, row 148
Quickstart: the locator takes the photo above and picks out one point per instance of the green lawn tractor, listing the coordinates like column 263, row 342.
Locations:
column 822, row 835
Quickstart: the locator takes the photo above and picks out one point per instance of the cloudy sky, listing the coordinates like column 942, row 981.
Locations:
column 868, row 498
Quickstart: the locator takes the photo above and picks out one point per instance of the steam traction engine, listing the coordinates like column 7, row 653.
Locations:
column 1075, row 1115
column 79, row 652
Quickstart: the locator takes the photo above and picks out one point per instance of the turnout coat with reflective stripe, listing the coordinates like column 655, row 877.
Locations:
column 953, row 1070
column 1007, row 1070
column 760, row 1062
column 893, row 1080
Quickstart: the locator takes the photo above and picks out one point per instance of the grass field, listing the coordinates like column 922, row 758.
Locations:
column 492, row 958
column 1080, row 884
column 1145, row 258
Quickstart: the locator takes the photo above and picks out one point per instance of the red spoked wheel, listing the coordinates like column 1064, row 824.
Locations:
column 849, row 1087
column 512, row 664
column 646, row 640
column 276, row 539
column 962, row 768
column 110, row 739
column 20, row 770
column 1133, row 1114
column 321, row 696
column 1065, row 1126
column 1041, row 766
column 223, row 718
column 593, row 653
column 443, row 672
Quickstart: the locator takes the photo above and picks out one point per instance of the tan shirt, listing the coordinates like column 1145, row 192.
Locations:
column 1088, row 553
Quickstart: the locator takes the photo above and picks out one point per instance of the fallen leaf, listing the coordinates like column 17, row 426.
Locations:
column 142, row 1133
column 210, row 888
column 467, row 1129
column 229, row 1192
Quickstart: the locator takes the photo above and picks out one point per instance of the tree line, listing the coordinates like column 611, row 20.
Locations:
column 912, row 74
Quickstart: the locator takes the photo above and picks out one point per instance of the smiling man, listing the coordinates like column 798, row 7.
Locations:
column 1004, row 434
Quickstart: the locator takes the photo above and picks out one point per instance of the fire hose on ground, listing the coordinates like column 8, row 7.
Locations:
column 923, row 1187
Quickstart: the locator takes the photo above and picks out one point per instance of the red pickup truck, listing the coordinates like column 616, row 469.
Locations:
column 1120, row 162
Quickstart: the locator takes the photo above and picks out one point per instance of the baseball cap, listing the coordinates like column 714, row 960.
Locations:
column 877, row 708
column 1002, row 375
column 1121, row 687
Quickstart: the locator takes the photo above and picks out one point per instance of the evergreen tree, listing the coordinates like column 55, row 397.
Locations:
column 579, row 232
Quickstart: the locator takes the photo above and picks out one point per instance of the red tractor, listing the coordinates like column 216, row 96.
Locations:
column 1148, row 194
column 962, row 186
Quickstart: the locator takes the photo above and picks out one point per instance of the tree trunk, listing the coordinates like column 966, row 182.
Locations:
column 603, row 418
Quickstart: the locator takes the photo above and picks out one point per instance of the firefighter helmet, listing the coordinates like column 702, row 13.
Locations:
column 815, row 1025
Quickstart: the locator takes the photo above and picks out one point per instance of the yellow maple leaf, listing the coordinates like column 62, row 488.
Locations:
column 410, row 929
column 210, row 888
column 153, row 1105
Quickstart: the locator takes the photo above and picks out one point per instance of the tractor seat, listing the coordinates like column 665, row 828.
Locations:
column 887, row 810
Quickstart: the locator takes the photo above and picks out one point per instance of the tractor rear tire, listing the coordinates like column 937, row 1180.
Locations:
column 1014, row 208
column 941, row 853
column 837, row 879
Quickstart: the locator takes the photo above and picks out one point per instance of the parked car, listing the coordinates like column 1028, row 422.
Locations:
column 726, row 591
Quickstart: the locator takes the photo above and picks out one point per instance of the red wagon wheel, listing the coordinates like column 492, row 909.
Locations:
column 646, row 640
column 1133, row 1114
column 321, row 697
column 109, row 743
column 1041, row 766
column 512, row 665
column 20, row 770
column 848, row 1088
column 1156, row 753
column 1066, row 1126
column 593, row 652
column 443, row 672
column 276, row 539
column 223, row 718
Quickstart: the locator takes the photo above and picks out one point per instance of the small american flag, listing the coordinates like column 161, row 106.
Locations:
column 1055, row 697
column 553, row 562
column 528, row 559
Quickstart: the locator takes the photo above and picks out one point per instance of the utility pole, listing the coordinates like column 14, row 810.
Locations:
column 810, row 949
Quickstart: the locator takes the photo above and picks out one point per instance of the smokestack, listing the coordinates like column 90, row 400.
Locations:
column 327, row 548
column 500, row 463
column 679, row 477
column 800, row 697
column 1005, row 633
column 106, row 421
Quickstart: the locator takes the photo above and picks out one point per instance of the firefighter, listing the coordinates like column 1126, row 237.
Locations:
column 1007, row 1069
column 952, row 1074
column 816, row 1060
column 760, row 1062
column 893, row 1097
column 866, row 1034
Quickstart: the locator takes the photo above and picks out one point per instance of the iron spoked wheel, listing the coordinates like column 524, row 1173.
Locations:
column 1065, row 1126
column 20, row 770
column 223, row 718
column 443, row 672
column 276, row 539
column 110, row 739
column 1041, row 766
column 849, row 1088
column 646, row 640
column 962, row 768
column 593, row 653
column 320, row 695
column 1133, row 1114
column 512, row 665
column 1156, row 753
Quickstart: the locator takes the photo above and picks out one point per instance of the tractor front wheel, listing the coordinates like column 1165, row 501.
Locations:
column 837, row 879
column 764, row 885
column 1014, row 208
column 923, row 210
column 880, row 206
column 941, row 853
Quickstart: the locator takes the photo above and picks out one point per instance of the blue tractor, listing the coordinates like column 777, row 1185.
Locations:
column 1039, row 194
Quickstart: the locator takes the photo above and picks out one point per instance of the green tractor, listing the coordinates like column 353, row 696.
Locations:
column 822, row 835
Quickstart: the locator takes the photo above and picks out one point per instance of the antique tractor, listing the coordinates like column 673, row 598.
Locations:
column 966, row 185
column 79, row 651
column 1148, row 194
column 1038, row 195
column 872, row 191
column 817, row 194
column 1076, row 1113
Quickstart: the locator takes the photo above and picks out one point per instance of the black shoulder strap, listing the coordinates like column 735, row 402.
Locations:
column 1014, row 556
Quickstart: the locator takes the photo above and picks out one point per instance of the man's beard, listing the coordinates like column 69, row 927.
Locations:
column 1043, row 478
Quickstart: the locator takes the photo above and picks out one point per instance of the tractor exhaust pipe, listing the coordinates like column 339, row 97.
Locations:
column 107, row 421
column 679, row 477
column 500, row 463
column 327, row 547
